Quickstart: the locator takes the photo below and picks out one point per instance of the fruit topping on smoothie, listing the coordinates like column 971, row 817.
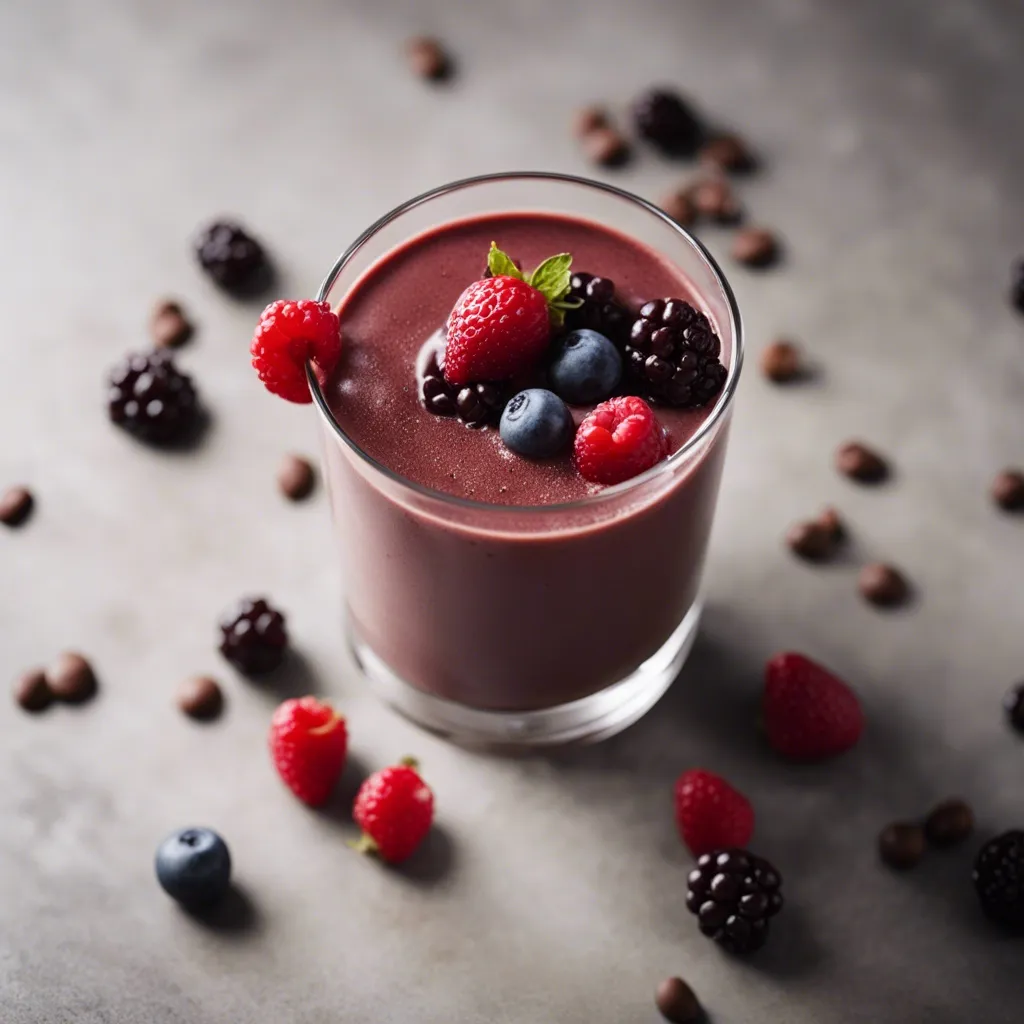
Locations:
column 585, row 367
column 620, row 439
column 537, row 424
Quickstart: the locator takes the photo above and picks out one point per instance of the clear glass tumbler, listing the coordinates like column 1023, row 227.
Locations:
column 512, row 626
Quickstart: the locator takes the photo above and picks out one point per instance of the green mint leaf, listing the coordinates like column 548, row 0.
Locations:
column 501, row 265
column 551, row 278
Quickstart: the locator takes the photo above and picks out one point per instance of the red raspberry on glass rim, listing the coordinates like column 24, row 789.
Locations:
column 711, row 814
column 290, row 334
column 620, row 439
column 394, row 807
column 308, row 745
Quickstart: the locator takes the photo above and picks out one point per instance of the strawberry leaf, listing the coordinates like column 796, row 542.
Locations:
column 501, row 265
column 552, row 278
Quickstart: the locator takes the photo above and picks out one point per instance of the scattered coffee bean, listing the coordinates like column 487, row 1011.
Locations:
column 169, row 325
column 714, row 198
column 1017, row 286
column 428, row 59
column 861, row 463
column 71, row 678
column 606, row 147
column 31, row 690
column 883, row 585
column 589, row 119
column 829, row 519
column 1008, row 490
column 677, row 1002
column 1013, row 705
column 811, row 540
column 949, row 823
column 200, row 697
column 679, row 206
column 902, row 845
column 727, row 153
column 15, row 506
column 780, row 362
column 296, row 477
column 755, row 247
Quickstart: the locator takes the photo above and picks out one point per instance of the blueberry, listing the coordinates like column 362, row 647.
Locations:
column 194, row 866
column 586, row 367
column 537, row 423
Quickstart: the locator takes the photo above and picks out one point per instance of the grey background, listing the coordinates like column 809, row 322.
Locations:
column 553, row 889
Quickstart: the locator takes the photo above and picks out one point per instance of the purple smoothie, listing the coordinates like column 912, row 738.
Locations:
column 513, row 608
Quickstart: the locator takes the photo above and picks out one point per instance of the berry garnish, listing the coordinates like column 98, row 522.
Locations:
column 501, row 325
column 673, row 354
column 308, row 743
column 151, row 398
column 253, row 636
column 664, row 119
column 598, row 310
column 193, row 866
column 710, row 813
column 808, row 712
column 477, row 405
column 620, row 439
column 537, row 424
column 734, row 895
column 290, row 334
column 999, row 878
column 394, row 807
column 233, row 258
column 585, row 368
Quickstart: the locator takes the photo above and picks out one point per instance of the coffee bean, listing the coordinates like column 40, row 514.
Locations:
column 31, row 690
column 427, row 59
column 780, row 362
column 1013, row 705
column 755, row 247
column 589, row 119
column 883, row 585
column 861, row 463
column 727, row 153
column 71, row 678
column 200, row 697
column 606, row 147
column 296, row 477
column 901, row 845
column 15, row 506
column 949, row 823
column 1008, row 490
column 829, row 520
column 811, row 540
column 169, row 325
column 679, row 206
column 677, row 1002
column 714, row 198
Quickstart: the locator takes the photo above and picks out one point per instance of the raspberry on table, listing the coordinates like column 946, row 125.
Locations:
column 308, row 745
column 394, row 807
column 620, row 439
column 233, row 258
column 253, row 636
column 999, row 879
column 151, row 398
column 673, row 354
column 290, row 334
column 710, row 813
column 599, row 309
column 663, row 118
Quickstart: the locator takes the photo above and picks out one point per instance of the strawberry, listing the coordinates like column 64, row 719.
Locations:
column 711, row 815
column 808, row 713
column 308, row 743
column 394, row 808
column 501, row 325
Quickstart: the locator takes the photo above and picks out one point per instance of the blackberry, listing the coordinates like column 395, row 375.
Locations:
column 734, row 895
column 999, row 878
column 477, row 405
column 151, row 398
column 665, row 120
column 233, row 258
column 254, row 636
column 673, row 353
column 600, row 311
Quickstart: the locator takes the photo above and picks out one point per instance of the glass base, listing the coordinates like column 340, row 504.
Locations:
column 587, row 720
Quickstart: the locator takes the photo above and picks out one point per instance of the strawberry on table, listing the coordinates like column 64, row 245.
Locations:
column 394, row 807
column 308, row 744
column 710, row 813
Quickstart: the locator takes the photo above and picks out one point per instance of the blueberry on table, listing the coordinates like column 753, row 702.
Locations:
column 193, row 866
column 586, row 367
column 537, row 424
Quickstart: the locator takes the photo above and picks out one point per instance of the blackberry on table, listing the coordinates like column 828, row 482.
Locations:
column 233, row 258
column 999, row 878
column 664, row 119
column 734, row 896
column 151, row 398
column 673, row 354
column 253, row 636
column 477, row 405
column 600, row 311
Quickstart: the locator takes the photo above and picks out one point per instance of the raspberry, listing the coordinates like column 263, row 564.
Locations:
column 499, row 327
column 254, row 637
column 233, row 258
column 808, row 712
column 394, row 808
column 599, row 309
column 999, row 879
column 289, row 334
column 620, row 439
column 151, row 398
column 710, row 813
column 308, row 743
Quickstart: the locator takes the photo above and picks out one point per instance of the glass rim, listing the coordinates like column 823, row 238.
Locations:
column 606, row 493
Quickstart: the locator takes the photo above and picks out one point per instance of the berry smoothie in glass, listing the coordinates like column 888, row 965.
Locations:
column 524, row 430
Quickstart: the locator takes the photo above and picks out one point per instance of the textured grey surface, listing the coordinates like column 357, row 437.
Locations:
column 554, row 888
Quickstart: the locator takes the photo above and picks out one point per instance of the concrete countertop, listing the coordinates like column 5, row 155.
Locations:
column 554, row 887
